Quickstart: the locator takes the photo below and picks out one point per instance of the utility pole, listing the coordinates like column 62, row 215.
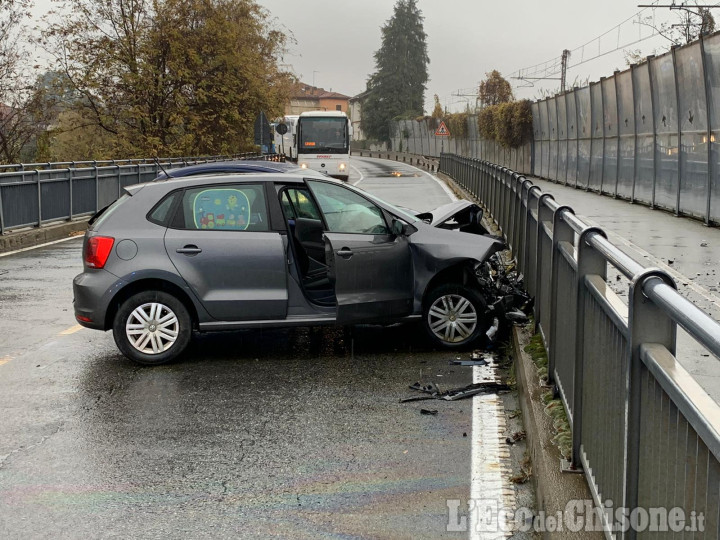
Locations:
column 563, row 75
column 313, row 90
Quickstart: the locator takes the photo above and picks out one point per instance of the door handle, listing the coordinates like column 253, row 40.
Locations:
column 345, row 253
column 190, row 249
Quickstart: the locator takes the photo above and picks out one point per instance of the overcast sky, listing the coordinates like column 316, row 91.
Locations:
column 335, row 40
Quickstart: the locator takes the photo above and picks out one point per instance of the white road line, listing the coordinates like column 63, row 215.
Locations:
column 443, row 185
column 489, row 473
column 40, row 245
column 362, row 177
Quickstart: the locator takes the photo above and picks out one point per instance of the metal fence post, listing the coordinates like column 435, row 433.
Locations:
column 562, row 232
column 544, row 214
column 39, row 197
column 2, row 215
column 70, row 182
column 647, row 324
column 97, row 186
column 589, row 262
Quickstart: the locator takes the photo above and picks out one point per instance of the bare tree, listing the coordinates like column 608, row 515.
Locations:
column 18, row 98
column 691, row 22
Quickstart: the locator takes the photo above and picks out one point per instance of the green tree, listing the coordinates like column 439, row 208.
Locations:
column 495, row 89
column 170, row 76
column 397, row 88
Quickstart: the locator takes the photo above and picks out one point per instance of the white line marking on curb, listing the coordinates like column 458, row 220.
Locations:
column 488, row 469
column 40, row 245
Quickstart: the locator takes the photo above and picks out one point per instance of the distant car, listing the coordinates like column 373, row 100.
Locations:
column 269, row 249
column 233, row 167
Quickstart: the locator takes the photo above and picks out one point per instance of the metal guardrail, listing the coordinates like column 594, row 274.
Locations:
column 646, row 435
column 37, row 193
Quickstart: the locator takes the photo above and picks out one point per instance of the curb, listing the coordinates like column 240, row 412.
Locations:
column 40, row 235
column 553, row 489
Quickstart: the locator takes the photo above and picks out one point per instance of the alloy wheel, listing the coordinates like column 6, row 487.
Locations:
column 152, row 328
column 452, row 318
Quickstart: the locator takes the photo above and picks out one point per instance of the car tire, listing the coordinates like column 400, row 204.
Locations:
column 152, row 327
column 454, row 315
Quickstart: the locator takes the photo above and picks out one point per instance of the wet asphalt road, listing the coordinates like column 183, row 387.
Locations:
column 277, row 433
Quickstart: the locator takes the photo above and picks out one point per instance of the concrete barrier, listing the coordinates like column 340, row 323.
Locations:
column 25, row 238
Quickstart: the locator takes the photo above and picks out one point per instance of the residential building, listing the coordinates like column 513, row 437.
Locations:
column 305, row 97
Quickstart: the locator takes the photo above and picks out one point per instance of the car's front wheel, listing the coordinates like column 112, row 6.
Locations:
column 454, row 315
column 152, row 327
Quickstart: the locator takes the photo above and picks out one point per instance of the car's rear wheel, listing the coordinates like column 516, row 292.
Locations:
column 152, row 327
column 454, row 315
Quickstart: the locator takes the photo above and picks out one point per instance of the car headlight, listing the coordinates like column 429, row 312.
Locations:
column 303, row 165
column 342, row 166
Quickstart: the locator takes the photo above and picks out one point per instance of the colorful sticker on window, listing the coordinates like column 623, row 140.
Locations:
column 221, row 208
column 309, row 143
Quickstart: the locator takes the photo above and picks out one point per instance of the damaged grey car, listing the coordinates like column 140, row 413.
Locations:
column 227, row 252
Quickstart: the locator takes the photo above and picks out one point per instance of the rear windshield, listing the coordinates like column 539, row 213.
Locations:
column 104, row 213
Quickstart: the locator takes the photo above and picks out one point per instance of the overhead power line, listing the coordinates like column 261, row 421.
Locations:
column 618, row 37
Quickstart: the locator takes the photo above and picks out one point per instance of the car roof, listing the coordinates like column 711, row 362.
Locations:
column 297, row 176
column 236, row 167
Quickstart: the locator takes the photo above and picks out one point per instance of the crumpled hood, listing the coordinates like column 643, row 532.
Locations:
column 442, row 213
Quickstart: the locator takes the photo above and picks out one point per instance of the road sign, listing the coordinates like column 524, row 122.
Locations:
column 442, row 130
column 263, row 136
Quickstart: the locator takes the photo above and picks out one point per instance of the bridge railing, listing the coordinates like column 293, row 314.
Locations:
column 645, row 433
column 37, row 193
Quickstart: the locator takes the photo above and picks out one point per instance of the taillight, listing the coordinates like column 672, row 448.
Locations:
column 97, row 251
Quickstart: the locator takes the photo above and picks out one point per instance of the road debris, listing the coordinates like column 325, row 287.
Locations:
column 480, row 362
column 430, row 388
column 429, row 412
column 455, row 394
column 515, row 437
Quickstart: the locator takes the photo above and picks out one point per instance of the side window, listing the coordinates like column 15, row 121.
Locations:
column 347, row 212
column 287, row 206
column 300, row 204
column 239, row 207
column 159, row 214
